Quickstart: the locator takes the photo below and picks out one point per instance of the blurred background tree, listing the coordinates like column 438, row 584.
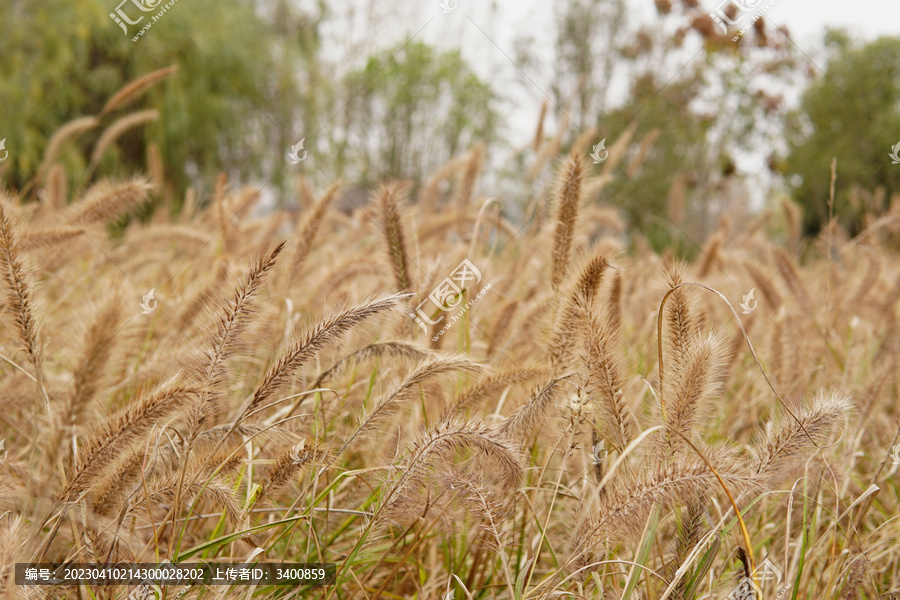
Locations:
column 693, row 96
column 236, row 90
column 251, row 79
column 256, row 77
column 850, row 112
column 411, row 109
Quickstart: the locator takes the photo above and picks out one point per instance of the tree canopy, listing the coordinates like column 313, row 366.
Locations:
column 416, row 108
column 852, row 113
column 64, row 60
column 252, row 80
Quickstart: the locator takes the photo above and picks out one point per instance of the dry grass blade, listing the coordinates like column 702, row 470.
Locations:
column 502, row 462
column 327, row 332
column 404, row 391
column 681, row 322
column 604, row 380
column 469, row 175
column 710, row 254
column 689, row 534
column 584, row 140
column 286, row 466
column 539, row 130
column 55, row 191
column 44, row 239
column 869, row 280
column 501, row 325
column 155, row 167
column 231, row 322
column 769, row 293
column 495, row 383
column 165, row 491
column 699, row 377
column 388, row 199
column 306, row 234
column 233, row 317
column 196, row 305
column 19, row 290
column 92, row 365
column 793, row 281
column 782, row 448
column 659, row 334
column 58, row 140
column 793, row 218
column 136, row 88
column 676, row 202
column 636, row 162
column 109, row 491
column 114, row 131
column 617, row 150
column 106, row 200
column 614, row 304
column 431, row 191
column 11, row 535
column 396, row 349
column 522, row 424
column 579, row 298
column 744, row 532
column 568, row 197
column 126, row 426
column 623, row 511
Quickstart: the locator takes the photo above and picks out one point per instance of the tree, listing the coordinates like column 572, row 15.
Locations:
column 851, row 113
column 231, row 97
column 588, row 37
column 411, row 108
column 699, row 88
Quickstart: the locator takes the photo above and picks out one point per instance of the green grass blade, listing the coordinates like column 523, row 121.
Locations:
column 227, row 539
column 643, row 553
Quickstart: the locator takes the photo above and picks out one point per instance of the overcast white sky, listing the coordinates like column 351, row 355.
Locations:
column 868, row 18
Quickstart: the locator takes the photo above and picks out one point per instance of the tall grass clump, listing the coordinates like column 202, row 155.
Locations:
column 595, row 421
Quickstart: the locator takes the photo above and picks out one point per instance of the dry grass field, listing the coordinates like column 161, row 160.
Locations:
column 581, row 420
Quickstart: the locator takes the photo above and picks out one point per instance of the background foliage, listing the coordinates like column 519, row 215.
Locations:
column 254, row 78
column 850, row 112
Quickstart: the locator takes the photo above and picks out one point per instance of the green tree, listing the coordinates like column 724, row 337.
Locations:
column 588, row 37
column 232, row 97
column 706, row 106
column 851, row 113
column 411, row 109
